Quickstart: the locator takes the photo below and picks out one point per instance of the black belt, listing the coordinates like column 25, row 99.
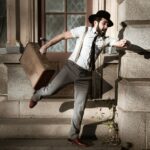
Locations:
column 73, row 63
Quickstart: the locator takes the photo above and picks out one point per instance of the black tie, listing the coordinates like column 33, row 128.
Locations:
column 92, row 55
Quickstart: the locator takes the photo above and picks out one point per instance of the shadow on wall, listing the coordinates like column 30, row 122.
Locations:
column 120, row 1
column 135, row 48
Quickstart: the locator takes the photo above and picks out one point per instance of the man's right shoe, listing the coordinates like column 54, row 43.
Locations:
column 32, row 103
column 78, row 142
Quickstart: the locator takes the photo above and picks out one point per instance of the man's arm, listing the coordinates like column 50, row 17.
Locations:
column 56, row 39
column 123, row 43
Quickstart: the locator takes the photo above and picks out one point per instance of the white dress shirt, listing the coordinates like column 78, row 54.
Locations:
column 100, row 44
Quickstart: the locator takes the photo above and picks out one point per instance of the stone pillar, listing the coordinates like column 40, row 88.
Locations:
column 134, row 88
column 27, row 21
column 22, row 24
column 112, row 8
column 13, row 45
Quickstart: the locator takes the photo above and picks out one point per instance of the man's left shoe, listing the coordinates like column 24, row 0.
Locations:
column 78, row 142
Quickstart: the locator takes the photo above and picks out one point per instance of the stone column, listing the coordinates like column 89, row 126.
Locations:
column 112, row 8
column 13, row 45
column 27, row 21
column 134, row 88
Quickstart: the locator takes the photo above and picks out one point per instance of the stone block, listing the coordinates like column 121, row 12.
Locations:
column 132, row 129
column 134, row 10
column 134, row 95
column 62, row 108
column 3, row 98
column 3, row 79
column 148, row 130
column 138, row 35
column 10, row 58
column 9, row 109
column 134, row 66
column 19, row 87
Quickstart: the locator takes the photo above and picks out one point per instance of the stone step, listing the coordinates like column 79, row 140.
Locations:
column 52, row 144
column 54, row 108
column 51, row 128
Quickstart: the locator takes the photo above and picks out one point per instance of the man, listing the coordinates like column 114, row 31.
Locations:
column 78, row 68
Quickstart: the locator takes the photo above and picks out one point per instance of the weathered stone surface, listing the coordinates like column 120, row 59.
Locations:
column 108, row 83
column 19, row 87
column 10, row 58
column 134, row 65
column 3, row 79
column 52, row 144
column 62, row 108
column 148, row 130
column 138, row 35
column 49, row 128
column 134, row 10
column 9, row 109
column 134, row 95
column 132, row 129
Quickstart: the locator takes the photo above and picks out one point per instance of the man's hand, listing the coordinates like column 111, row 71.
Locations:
column 123, row 43
column 43, row 50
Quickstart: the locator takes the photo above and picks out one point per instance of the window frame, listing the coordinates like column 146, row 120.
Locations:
column 42, row 19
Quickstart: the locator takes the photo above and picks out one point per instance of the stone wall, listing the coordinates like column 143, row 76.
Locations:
column 134, row 88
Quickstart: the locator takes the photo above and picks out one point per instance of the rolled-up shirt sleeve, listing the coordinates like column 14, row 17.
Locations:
column 76, row 32
column 111, row 41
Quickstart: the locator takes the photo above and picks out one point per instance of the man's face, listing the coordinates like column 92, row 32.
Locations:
column 102, row 26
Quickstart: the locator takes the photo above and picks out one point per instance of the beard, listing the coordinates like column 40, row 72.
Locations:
column 101, row 32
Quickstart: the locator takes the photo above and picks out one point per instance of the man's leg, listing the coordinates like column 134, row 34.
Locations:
column 62, row 78
column 80, row 95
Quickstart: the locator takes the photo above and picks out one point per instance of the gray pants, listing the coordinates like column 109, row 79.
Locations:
column 81, row 78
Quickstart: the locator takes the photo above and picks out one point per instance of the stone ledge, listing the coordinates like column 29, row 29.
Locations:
column 137, row 22
column 55, row 108
column 10, row 58
column 134, row 10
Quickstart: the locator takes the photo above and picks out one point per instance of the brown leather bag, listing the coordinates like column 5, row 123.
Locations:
column 37, row 67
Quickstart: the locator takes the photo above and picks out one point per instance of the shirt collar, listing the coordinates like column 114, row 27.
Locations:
column 94, row 31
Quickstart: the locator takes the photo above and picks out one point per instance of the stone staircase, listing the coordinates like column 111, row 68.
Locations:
column 51, row 144
column 50, row 119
